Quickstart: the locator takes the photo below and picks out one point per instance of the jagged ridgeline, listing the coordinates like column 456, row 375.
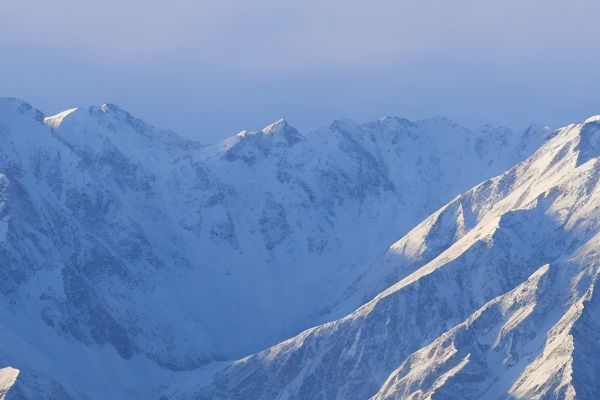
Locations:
column 136, row 263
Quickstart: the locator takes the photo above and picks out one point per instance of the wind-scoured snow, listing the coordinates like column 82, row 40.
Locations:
column 136, row 263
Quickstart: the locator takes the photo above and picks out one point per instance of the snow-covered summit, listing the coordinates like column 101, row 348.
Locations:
column 54, row 121
column 252, row 147
column 278, row 126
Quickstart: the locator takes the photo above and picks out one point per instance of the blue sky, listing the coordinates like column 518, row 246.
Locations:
column 208, row 69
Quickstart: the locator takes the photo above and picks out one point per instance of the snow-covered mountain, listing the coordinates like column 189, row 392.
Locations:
column 132, row 258
column 493, row 297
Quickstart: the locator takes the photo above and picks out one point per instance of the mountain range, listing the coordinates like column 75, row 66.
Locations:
column 391, row 259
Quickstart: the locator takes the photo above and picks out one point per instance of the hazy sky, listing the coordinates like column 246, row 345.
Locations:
column 208, row 69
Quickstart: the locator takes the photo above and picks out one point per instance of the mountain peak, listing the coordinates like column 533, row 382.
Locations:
column 109, row 107
column 281, row 128
column 278, row 126
column 251, row 146
column 54, row 121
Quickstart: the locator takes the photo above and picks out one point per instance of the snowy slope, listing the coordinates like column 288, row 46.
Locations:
column 8, row 376
column 494, row 297
column 130, row 255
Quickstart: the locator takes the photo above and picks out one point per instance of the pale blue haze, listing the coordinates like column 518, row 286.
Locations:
column 208, row 69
